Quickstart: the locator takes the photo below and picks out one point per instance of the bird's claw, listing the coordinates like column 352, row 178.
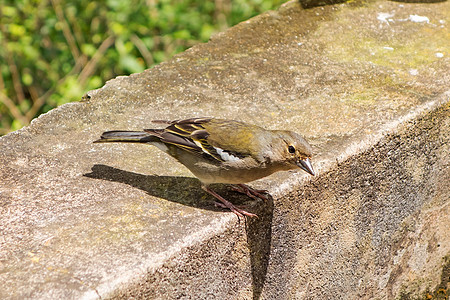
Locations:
column 252, row 193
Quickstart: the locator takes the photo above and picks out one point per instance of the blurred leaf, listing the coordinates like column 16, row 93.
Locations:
column 27, row 79
column 9, row 11
column 182, row 34
column 17, row 30
column 206, row 32
column 130, row 64
column 25, row 105
column 118, row 28
column 159, row 56
column 88, row 49
column 94, row 82
column 16, row 124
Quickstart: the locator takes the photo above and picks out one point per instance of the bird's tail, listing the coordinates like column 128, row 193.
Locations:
column 128, row 137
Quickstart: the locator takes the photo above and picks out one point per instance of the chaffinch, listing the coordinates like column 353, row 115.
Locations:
column 224, row 151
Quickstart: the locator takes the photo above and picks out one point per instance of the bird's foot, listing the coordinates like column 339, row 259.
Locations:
column 238, row 210
column 252, row 193
column 227, row 204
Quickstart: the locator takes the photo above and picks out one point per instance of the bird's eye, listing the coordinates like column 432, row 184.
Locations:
column 291, row 149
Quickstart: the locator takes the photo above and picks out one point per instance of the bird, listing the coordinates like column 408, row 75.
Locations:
column 224, row 151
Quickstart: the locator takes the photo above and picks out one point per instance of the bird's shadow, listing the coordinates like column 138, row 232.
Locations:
column 187, row 191
column 183, row 190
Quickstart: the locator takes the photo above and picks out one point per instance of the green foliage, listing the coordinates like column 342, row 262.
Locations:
column 54, row 51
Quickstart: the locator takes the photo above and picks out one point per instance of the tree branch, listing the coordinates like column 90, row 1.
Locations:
column 66, row 29
column 15, row 112
column 91, row 65
column 143, row 49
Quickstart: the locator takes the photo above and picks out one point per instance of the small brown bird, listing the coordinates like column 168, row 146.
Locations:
column 224, row 151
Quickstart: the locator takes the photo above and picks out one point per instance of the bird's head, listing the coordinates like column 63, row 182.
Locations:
column 295, row 151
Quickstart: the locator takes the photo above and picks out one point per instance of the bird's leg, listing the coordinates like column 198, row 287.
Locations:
column 252, row 193
column 239, row 212
column 220, row 204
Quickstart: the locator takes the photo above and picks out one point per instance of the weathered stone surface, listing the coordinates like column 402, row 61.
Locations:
column 366, row 82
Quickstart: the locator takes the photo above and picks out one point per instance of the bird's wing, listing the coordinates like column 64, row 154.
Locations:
column 192, row 135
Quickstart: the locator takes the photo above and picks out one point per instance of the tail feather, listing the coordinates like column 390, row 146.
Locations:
column 127, row 137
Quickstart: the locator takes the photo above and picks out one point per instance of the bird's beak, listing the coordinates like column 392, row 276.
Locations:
column 306, row 166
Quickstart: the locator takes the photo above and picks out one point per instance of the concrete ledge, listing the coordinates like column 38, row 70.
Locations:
column 365, row 82
column 373, row 226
